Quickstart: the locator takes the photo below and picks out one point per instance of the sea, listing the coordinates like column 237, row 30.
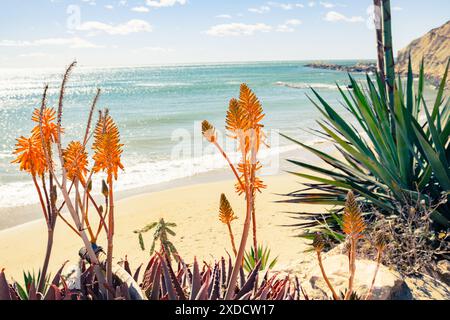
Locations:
column 159, row 110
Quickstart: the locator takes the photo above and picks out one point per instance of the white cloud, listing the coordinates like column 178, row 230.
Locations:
column 334, row 16
column 285, row 6
column 260, row 10
column 89, row 2
column 224, row 16
column 397, row 8
column 312, row 4
column 237, row 29
column 154, row 50
column 141, row 9
column 73, row 43
column 132, row 26
column 35, row 55
column 109, row 7
column 164, row 3
column 289, row 25
column 327, row 5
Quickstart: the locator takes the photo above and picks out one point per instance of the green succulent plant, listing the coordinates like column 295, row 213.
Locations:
column 162, row 232
column 387, row 159
column 251, row 260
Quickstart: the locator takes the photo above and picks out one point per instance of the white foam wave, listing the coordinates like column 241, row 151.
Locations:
column 163, row 85
column 305, row 85
column 142, row 174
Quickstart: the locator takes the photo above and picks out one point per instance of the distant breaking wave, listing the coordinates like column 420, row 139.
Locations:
column 304, row 85
column 146, row 173
column 163, row 85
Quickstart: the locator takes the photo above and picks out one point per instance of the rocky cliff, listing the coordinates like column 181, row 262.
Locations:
column 434, row 48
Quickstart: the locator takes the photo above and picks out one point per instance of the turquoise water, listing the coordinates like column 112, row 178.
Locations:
column 158, row 110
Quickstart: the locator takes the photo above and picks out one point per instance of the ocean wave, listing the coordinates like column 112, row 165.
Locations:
column 145, row 173
column 306, row 85
column 163, row 85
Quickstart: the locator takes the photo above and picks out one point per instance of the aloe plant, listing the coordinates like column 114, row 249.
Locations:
column 251, row 259
column 162, row 232
column 385, row 165
column 162, row 282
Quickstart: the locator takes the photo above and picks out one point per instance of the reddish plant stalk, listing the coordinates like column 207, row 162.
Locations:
column 325, row 277
column 352, row 268
column 109, row 257
column 232, row 239
column 48, row 250
column 379, row 255
column 245, row 232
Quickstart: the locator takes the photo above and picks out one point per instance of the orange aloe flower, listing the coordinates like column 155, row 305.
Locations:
column 107, row 147
column 49, row 127
column 258, row 184
column 76, row 161
column 30, row 155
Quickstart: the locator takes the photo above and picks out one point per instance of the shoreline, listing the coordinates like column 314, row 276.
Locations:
column 12, row 217
column 198, row 233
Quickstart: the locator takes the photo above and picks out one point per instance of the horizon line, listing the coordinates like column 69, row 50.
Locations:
column 181, row 64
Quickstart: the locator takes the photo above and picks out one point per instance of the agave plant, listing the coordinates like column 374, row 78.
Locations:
column 162, row 232
column 386, row 163
column 251, row 259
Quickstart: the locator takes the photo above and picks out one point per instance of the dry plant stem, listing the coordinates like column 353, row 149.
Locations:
column 91, row 113
column 369, row 293
column 232, row 239
column 325, row 277
column 379, row 34
column 63, row 187
column 352, row 269
column 49, row 217
column 88, row 245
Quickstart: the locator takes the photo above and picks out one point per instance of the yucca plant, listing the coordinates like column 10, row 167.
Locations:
column 161, row 235
column 386, row 165
column 263, row 255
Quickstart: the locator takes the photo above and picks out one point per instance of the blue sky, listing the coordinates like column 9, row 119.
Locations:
column 44, row 33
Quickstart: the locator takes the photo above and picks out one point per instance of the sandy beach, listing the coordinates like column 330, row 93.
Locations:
column 193, row 208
